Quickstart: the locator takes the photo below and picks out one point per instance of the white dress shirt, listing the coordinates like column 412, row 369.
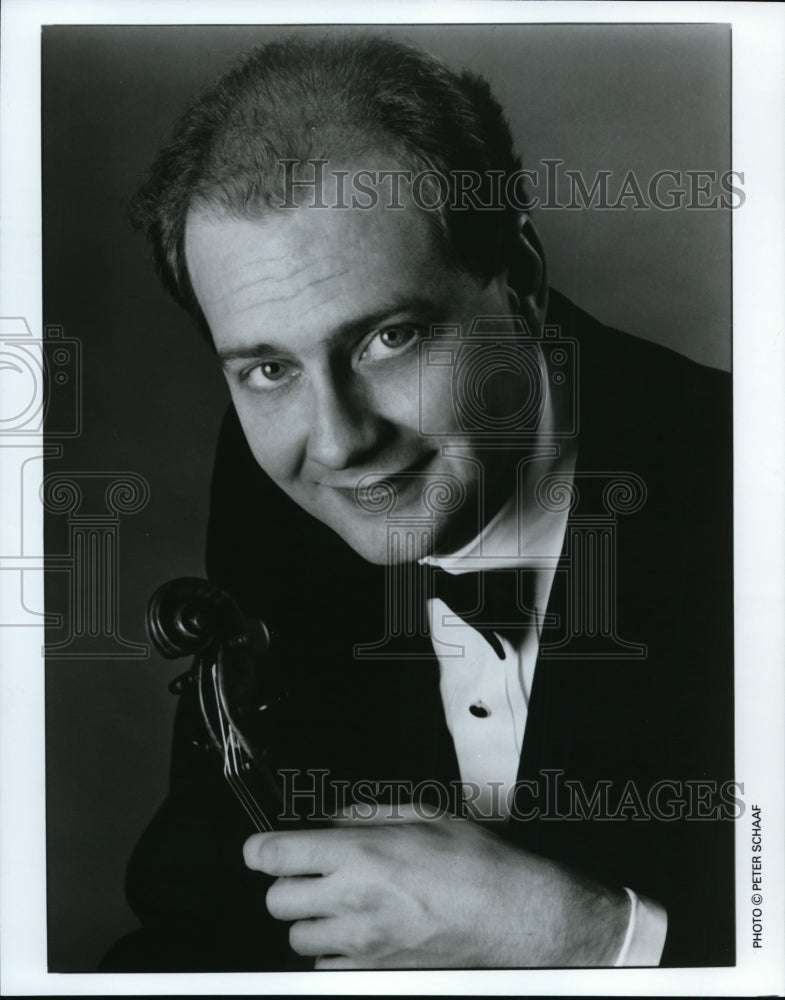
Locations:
column 486, row 698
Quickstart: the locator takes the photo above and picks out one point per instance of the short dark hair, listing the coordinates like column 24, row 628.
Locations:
column 302, row 99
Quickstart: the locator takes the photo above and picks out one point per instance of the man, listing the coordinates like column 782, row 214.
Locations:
column 345, row 222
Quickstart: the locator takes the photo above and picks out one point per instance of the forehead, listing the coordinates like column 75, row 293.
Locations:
column 333, row 262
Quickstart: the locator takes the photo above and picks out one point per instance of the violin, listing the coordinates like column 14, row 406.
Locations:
column 237, row 685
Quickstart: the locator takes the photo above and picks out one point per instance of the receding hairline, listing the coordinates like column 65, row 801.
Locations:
column 213, row 210
column 374, row 92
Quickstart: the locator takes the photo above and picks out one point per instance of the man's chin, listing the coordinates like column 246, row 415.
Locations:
column 395, row 547
column 393, row 544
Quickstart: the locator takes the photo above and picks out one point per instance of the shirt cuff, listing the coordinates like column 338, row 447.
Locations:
column 646, row 930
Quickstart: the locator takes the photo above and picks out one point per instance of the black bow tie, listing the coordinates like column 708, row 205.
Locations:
column 493, row 601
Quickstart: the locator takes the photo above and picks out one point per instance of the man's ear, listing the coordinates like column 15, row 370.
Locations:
column 527, row 276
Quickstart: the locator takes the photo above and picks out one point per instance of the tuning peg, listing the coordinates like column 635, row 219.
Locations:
column 181, row 682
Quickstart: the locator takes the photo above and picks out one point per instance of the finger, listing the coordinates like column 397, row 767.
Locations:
column 297, row 898
column 383, row 813
column 296, row 852
column 338, row 962
column 329, row 936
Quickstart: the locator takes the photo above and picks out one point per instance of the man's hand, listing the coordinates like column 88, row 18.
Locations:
column 438, row 893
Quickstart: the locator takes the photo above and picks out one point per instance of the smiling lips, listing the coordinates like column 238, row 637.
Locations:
column 365, row 488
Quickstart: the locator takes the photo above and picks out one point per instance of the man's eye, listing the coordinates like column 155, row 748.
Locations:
column 266, row 374
column 390, row 340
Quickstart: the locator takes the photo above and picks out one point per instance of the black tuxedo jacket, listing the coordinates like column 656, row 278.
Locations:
column 649, row 731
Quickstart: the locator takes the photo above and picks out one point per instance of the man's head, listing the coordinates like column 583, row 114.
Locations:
column 317, row 314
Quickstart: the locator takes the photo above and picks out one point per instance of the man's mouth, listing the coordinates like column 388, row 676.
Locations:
column 371, row 490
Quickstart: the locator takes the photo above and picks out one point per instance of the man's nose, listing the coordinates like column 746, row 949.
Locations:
column 345, row 429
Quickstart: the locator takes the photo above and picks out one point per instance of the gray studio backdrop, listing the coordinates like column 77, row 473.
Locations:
column 646, row 98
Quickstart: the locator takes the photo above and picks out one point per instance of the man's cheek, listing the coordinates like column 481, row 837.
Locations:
column 275, row 443
column 396, row 397
column 436, row 413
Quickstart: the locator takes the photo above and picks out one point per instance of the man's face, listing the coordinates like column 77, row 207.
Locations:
column 317, row 317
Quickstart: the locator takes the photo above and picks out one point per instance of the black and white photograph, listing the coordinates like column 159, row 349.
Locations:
column 392, row 500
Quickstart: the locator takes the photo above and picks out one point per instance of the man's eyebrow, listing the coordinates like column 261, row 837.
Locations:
column 253, row 352
column 426, row 308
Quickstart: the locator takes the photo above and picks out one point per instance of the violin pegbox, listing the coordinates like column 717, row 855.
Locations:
column 235, row 677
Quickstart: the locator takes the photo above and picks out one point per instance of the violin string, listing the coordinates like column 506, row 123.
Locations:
column 252, row 806
column 230, row 749
column 232, row 767
column 234, row 759
column 239, row 787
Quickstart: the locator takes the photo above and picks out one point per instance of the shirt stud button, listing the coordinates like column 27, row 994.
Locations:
column 480, row 710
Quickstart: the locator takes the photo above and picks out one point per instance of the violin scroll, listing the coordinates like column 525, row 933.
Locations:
column 234, row 677
column 187, row 616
